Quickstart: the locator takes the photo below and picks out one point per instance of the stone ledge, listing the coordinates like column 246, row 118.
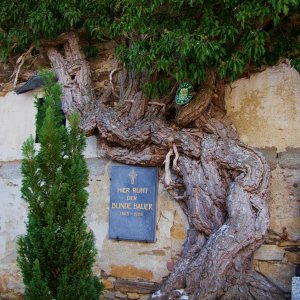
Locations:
column 278, row 273
column 289, row 159
column 269, row 253
column 270, row 153
column 293, row 257
column 130, row 271
column 140, row 287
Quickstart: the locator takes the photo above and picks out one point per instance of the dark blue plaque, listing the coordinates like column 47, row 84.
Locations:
column 132, row 211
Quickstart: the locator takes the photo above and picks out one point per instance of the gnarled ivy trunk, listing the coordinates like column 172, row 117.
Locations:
column 220, row 183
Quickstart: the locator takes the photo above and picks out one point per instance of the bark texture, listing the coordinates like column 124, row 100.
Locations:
column 74, row 74
column 220, row 183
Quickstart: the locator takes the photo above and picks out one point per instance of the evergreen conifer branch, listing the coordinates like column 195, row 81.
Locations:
column 58, row 251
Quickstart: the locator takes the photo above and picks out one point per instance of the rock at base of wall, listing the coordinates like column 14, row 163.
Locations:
column 290, row 158
column 11, row 286
column 278, row 273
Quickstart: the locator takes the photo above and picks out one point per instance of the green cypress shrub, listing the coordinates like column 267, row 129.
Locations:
column 57, row 253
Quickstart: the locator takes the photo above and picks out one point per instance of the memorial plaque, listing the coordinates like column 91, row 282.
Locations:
column 132, row 211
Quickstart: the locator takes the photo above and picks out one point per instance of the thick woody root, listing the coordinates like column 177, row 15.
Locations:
column 231, row 239
column 225, row 182
column 120, row 131
column 74, row 74
column 226, row 187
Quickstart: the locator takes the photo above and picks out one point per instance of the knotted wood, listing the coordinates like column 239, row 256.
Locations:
column 221, row 184
column 74, row 74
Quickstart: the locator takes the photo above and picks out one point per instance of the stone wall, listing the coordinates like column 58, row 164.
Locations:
column 17, row 123
column 265, row 109
column 129, row 270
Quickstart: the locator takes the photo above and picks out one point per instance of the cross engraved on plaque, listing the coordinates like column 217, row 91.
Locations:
column 132, row 176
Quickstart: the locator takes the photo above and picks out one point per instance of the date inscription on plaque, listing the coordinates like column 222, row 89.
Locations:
column 132, row 211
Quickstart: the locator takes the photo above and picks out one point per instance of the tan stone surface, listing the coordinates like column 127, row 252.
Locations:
column 269, row 252
column 108, row 295
column 101, row 65
column 145, row 297
column 284, row 203
column 133, row 296
column 153, row 252
column 289, row 243
column 17, row 123
column 11, row 286
column 3, row 284
column 279, row 274
column 265, row 108
column 120, row 295
column 130, row 271
column 6, row 88
column 178, row 232
column 108, row 284
column 293, row 257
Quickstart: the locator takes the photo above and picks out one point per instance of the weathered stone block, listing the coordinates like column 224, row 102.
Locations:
column 293, row 257
column 146, row 297
column 139, row 287
column 108, row 295
column 120, row 295
column 264, row 107
column 280, row 274
column 178, row 232
column 11, row 296
column 289, row 159
column 11, row 285
column 133, row 296
column 96, row 166
column 157, row 252
column 289, row 243
column 284, row 204
column 108, row 284
column 270, row 153
column 130, row 271
column 269, row 252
